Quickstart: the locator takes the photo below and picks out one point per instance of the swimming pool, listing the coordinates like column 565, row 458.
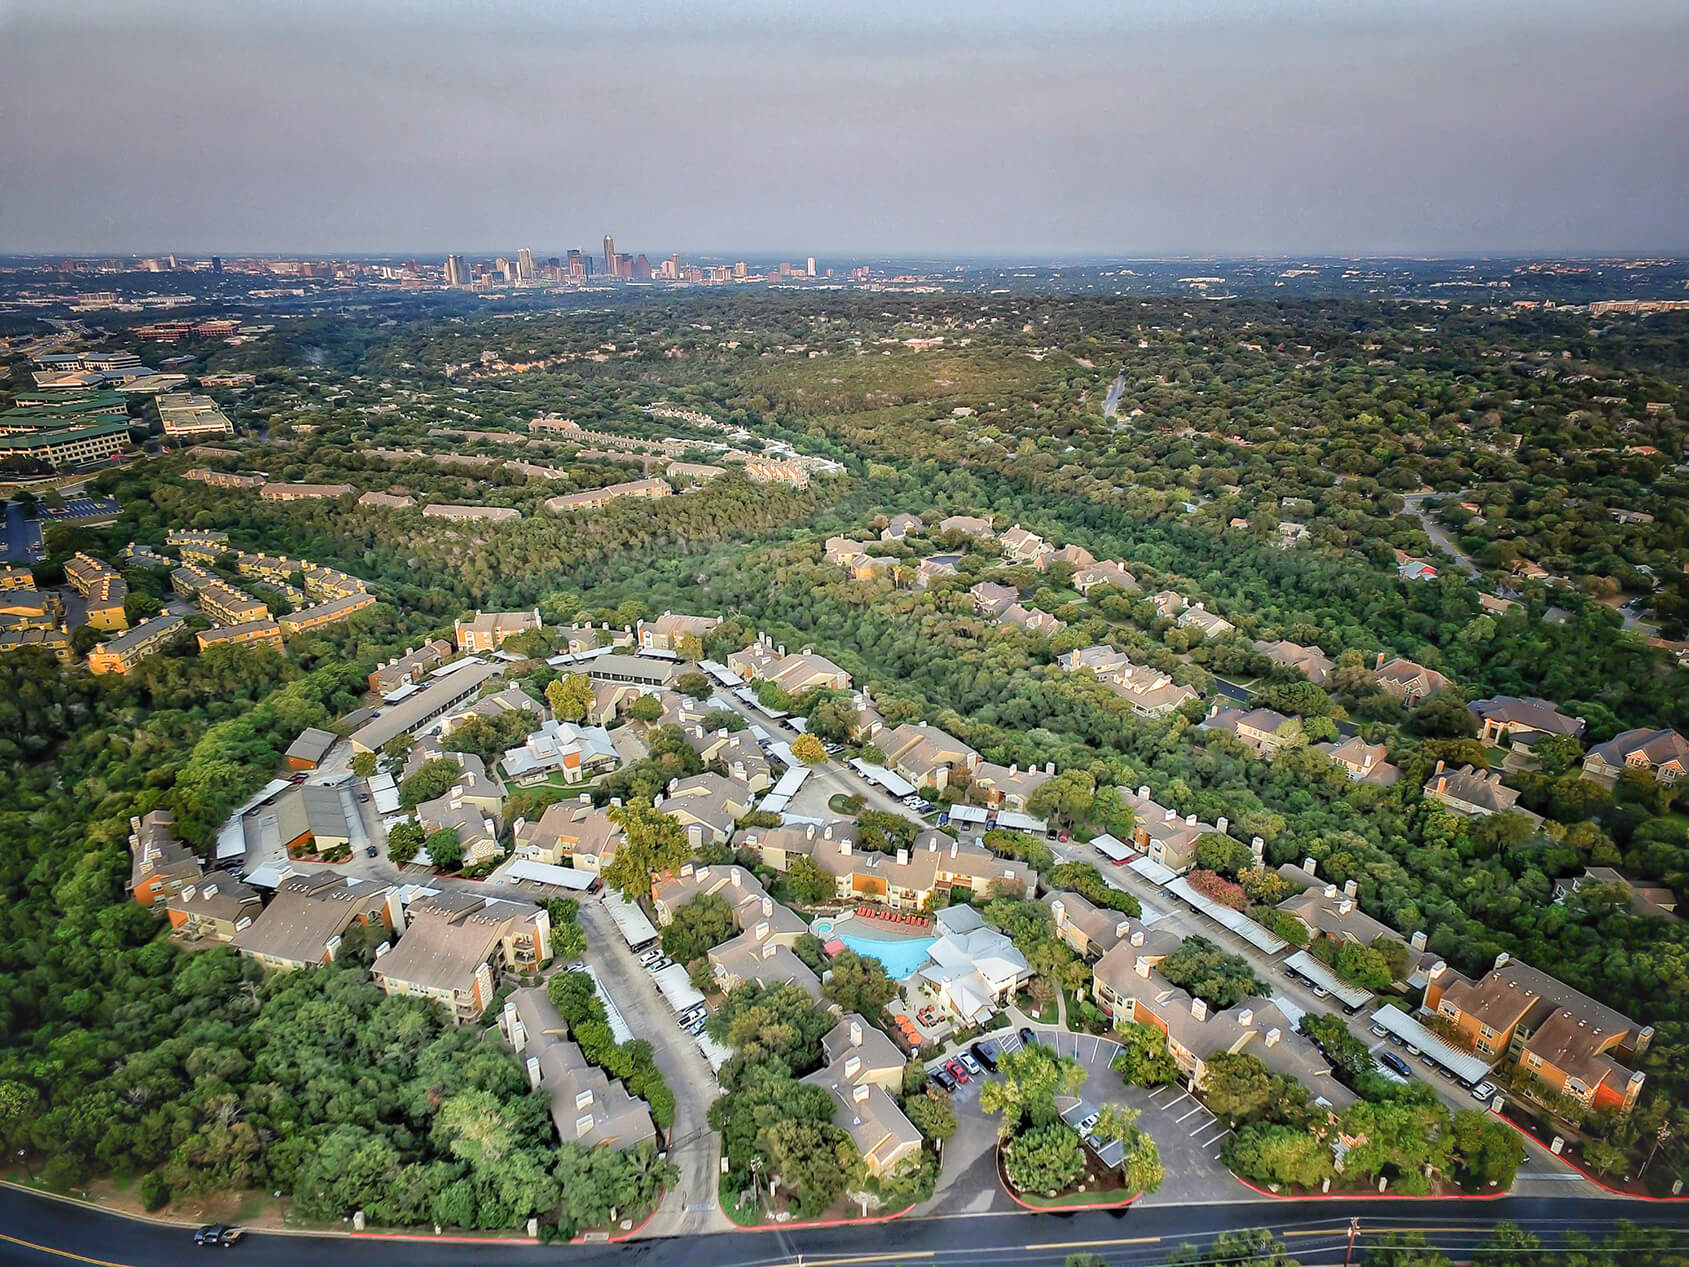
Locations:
column 900, row 958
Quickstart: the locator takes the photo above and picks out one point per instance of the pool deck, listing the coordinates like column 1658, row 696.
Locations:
column 872, row 928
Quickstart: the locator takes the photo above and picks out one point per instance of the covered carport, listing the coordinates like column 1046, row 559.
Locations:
column 1316, row 971
column 1462, row 1065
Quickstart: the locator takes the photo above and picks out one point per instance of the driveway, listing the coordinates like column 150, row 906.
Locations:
column 689, row 1208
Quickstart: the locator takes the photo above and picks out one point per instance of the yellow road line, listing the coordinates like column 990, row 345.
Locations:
column 868, row 1258
column 60, row 1253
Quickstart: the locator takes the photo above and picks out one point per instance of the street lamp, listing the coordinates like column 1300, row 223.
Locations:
column 23, row 1156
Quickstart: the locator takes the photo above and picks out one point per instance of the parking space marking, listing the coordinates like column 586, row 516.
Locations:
column 1212, row 1139
column 1156, row 1092
column 1173, row 1104
column 1206, row 1126
column 1197, row 1109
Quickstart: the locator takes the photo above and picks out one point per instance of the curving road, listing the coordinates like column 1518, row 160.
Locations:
column 36, row 1231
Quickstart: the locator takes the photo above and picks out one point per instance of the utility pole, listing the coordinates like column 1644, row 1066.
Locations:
column 1354, row 1231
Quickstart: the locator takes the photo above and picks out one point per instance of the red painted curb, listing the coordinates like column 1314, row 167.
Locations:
column 1054, row 1209
column 1599, row 1183
column 781, row 1227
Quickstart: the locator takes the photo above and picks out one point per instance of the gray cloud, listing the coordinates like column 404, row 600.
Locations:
column 1215, row 126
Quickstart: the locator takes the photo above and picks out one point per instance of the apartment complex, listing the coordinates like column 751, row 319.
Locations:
column 488, row 631
column 311, row 911
column 331, row 613
column 598, row 498
column 103, row 591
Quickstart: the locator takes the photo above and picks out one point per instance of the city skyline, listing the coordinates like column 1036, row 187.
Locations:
column 1222, row 128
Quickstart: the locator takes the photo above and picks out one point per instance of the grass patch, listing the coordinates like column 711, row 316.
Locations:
column 1112, row 1196
column 839, row 803
column 1047, row 1015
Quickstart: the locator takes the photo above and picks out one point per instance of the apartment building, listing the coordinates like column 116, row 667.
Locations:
column 214, row 908
column 456, row 946
column 935, row 869
column 792, row 673
column 160, row 864
column 323, row 614
column 283, row 492
column 488, row 631
column 569, row 834
column 410, row 667
column 666, row 631
column 122, row 653
column 489, row 514
column 1161, row 834
column 325, row 584
column 103, row 591
column 53, row 641
column 1126, row 988
column 1519, row 1014
column 224, row 479
column 925, row 755
column 598, row 498
column 438, row 696
column 587, row 1106
column 1090, row 930
column 863, row 1072
column 186, row 415
column 311, row 912
column 707, row 806
column 255, row 632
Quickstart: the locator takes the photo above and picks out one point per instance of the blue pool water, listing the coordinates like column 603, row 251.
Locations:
column 899, row 958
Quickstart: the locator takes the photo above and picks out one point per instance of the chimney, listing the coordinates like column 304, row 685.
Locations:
column 760, row 932
column 768, row 908
column 1168, row 815
column 1273, row 1035
column 768, row 950
column 736, row 877
column 1190, row 820
column 1049, row 767
column 1310, row 866
column 1199, row 1009
column 953, row 847
column 809, row 832
column 1379, row 664
column 844, row 848
column 1439, row 768
column 1350, row 888
column 1331, row 890
column 1140, row 965
column 1345, row 906
column 853, row 1065
column 860, row 1094
column 856, row 1033
column 1137, row 938
column 1417, row 941
column 533, row 1073
column 1143, row 791
column 1246, row 1017
column 902, row 857
column 1437, row 970
column 1220, row 824
column 1257, row 848
column 1501, row 959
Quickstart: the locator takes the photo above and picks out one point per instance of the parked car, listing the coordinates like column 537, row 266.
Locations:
column 297, row 778
column 363, row 796
column 1394, row 1063
column 372, row 852
column 649, row 957
column 697, row 1027
column 657, row 965
column 1379, row 1031
column 1412, row 1050
column 578, row 966
column 1483, row 1091
column 957, row 1069
column 1087, row 1124
column 1027, row 1036
column 970, row 1064
column 220, row 1235
column 1320, row 992
column 941, row 1078
column 986, row 1054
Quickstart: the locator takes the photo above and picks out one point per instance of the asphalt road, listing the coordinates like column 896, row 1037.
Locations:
column 37, row 1231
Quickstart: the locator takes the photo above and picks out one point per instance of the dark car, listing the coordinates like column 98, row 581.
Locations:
column 942, row 1078
column 1027, row 1036
column 372, row 852
column 986, row 1054
column 1394, row 1063
column 218, row 1234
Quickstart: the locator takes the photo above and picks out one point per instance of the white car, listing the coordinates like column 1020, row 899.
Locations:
column 970, row 1064
column 1087, row 1125
column 1483, row 1091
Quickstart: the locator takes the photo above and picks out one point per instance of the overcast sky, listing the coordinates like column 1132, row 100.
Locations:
column 1025, row 128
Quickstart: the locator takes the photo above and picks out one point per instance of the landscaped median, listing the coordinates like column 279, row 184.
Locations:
column 1043, row 1161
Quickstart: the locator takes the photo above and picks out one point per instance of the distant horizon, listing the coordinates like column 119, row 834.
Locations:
column 1166, row 129
column 825, row 257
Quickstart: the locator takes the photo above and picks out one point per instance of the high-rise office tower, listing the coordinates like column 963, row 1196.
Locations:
column 525, row 265
column 501, row 266
column 576, row 266
column 812, row 266
column 457, row 273
column 216, row 263
column 610, row 254
column 741, row 269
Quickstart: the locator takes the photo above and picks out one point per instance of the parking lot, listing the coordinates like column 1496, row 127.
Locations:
column 1189, row 1136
